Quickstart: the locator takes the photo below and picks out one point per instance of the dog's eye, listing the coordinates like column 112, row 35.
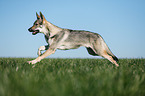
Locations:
column 36, row 24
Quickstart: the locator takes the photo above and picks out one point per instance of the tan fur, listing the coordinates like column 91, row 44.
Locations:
column 64, row 39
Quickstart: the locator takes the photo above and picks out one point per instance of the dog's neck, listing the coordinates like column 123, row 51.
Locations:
column 51, row 29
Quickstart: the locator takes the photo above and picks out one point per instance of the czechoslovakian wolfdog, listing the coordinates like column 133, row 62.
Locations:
column 64, row 39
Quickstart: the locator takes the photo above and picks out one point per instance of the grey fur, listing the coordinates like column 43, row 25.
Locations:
column 65, row 39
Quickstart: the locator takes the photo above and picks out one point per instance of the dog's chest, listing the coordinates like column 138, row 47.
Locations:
column 48, row 40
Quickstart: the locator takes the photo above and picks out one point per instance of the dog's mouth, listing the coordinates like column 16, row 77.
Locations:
column 35, row 32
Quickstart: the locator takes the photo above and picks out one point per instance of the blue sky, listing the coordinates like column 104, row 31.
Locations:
column 120, row 22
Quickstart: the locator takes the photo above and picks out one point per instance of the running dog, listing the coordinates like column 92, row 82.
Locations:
column 64, row 39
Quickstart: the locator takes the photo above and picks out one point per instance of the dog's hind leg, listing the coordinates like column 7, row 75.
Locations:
column 104, row 54
column 112, row 59
column 91, row 51
column 101, row 48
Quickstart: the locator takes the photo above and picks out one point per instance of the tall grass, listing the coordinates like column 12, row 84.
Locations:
column 72, row 77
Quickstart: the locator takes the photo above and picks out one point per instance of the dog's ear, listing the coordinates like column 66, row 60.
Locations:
column 38, row 17
column 42, row 17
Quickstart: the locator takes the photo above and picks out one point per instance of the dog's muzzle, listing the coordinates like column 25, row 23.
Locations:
column 34, row 32
column 30, row 30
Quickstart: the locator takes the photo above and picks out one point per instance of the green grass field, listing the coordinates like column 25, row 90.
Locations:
column 72, row 77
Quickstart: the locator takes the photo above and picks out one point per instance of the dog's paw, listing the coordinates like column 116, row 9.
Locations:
column 32, row 62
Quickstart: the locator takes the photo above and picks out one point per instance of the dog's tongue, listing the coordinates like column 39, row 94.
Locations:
column 34, row 33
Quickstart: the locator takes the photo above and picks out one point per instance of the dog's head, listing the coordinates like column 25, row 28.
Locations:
column 39, row 25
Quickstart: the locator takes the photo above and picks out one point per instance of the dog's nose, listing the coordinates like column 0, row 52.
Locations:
column 30, row 29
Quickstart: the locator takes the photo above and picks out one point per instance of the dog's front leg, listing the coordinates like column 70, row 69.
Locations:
column 42, row 48
column 45, row 54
